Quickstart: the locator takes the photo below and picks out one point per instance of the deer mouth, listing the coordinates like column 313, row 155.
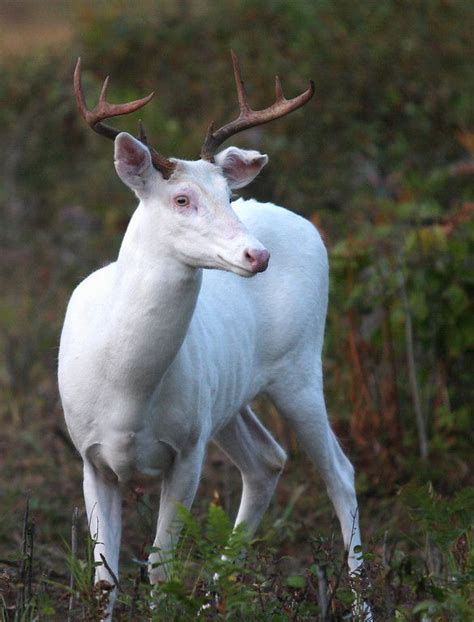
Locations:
column 236, row 268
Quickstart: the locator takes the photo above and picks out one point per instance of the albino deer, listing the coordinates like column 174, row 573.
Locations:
column 161, row 354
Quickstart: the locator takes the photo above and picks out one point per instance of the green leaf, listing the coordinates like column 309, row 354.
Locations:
column 346, row 596
column 219, row 527
column 296, row 581
column 457, row 298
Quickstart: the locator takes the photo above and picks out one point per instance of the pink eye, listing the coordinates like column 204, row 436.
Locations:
column 182, row 200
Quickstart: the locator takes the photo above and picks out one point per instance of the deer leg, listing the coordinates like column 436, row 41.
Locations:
column 303, row 406
column 260, row 460
column 179, row 486
column 103, row 500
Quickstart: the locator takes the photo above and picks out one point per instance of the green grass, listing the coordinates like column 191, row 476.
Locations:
column 418, row 553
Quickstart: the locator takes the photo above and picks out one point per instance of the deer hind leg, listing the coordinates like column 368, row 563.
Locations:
column 302, row 404
column 103, row 500
column 260, row 460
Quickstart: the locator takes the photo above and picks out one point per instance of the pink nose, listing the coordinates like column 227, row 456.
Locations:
column 258, row 259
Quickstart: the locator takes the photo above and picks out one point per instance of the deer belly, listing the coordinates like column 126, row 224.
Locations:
column 122, row 456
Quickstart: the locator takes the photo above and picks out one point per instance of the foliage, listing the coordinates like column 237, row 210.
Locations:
column 410, row 268
column 216, row 573
column 446, row 579
column 393, row 86
column 382, row 162
column 382, row 151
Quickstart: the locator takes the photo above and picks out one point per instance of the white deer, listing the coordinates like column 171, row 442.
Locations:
column 159, row 354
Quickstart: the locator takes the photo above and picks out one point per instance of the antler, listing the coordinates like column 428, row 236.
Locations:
column 248, row 117
column 104, row 110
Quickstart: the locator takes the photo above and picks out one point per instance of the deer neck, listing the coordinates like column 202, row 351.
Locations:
column 154, row 300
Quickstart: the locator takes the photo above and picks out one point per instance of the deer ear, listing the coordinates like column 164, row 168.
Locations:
column 240, row 166
column 133, row 163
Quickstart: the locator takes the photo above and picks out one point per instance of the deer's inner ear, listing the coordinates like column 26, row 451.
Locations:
column 240, row 166
column 133, row 162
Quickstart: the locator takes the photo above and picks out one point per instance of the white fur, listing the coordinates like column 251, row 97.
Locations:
column 159, row 356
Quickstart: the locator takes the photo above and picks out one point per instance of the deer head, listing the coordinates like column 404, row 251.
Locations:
column 192, row 199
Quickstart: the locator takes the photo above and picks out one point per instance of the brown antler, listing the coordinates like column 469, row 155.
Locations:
column 248, row 117
column 104, row 110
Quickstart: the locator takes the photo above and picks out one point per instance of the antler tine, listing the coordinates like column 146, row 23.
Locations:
column 279, row 96
column 104, row 110
column 103, row 92
column 81, row 102
column 239, row 83
column 142, row 133
column 250, row 118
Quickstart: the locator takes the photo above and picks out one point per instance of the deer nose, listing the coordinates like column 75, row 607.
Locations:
column 258, row 259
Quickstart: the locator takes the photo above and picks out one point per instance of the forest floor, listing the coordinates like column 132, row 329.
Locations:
column 40, row 468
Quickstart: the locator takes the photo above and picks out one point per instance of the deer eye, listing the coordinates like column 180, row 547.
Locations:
column 182, row 200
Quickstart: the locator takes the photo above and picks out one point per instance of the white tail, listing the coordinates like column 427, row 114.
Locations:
column 159, row 356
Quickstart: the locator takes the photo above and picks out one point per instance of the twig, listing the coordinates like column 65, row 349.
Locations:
column 20, row 597
column 260, row 598
column 30, row 543
column 322, row 592
column 341, row 570
column 74, row 524
column 26, row 566
column 385, row 561
column 412, row 375
column 111, row 572
column 140, row 578
column 344, row 562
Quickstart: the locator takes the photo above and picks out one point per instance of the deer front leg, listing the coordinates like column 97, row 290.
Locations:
column 103, row 500
column 179, row 486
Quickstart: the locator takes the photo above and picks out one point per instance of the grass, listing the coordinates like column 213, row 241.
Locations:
column 418, row 544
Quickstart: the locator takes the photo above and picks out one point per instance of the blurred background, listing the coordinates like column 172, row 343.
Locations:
column 381, row 161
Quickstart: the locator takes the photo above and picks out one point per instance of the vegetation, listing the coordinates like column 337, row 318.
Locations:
column 382, row 162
